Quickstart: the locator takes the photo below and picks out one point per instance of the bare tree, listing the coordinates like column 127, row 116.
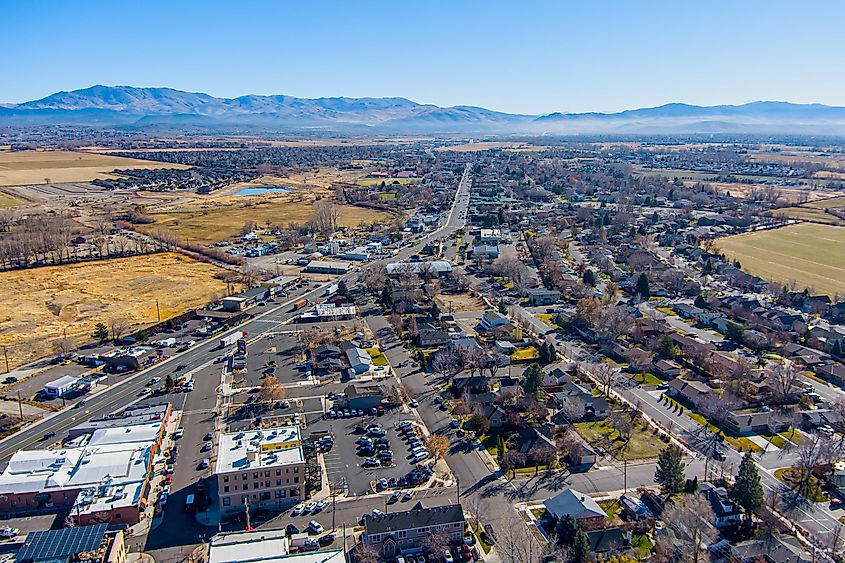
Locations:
column 118, row 327
column 604, row 374
column 514, row 542
column 435, row 543
column 272, row 390
column 63, row 346
column 437, row 446
column 572, row 409
column 783, row 382
column 324, row 219
column 688, row 528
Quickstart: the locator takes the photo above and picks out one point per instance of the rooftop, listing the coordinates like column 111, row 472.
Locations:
column 260, row 448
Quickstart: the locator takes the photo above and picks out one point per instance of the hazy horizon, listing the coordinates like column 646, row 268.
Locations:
column 528, row 58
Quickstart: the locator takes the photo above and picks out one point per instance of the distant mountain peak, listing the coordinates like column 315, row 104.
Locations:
column 102, row 105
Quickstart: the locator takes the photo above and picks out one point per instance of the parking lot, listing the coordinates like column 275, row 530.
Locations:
column 345, row 460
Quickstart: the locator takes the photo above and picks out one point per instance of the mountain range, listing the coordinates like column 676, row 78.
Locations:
column 131, row 107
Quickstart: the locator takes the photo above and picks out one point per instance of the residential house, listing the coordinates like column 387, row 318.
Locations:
column 360, row 361
column 595, row 408
column 694, row 393
column 398, row 533
column 725, row 512
column 667, row 369
column 580, row 506
column 542, row 296
column 763, row 421
column 492, row 319
column 429, row 335
column 772, row 548
column 473, row 384
column 608, row 541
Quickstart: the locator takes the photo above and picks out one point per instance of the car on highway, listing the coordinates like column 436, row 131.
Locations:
column 10, row 379
column 48, row 435
column 154, row 380
column 145, row 391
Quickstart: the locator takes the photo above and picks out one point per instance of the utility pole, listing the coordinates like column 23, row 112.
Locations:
column 20, row 404
column 6, row 357
column 458, row 483
column 158, row 311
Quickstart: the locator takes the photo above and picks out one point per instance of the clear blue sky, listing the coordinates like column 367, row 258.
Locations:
column 518, row 56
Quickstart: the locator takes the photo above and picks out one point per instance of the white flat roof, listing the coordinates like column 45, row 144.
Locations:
column 147, row 432
column 239, row 451
column 63, row 381
column 257, row 545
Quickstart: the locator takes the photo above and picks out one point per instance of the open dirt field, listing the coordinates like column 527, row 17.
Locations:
column 224, row 218
column 36, row 167
column 42, row 302
column 461, row 303
column 487, row 145
column 812, row 255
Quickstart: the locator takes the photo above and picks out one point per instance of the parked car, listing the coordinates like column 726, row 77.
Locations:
column 328, row 539
column 297, row 510
column 291, row 529
column 315, row 527
column 203, row 464
column 8, row 533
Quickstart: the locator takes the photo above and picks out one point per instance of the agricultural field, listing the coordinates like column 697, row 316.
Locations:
column 815, row 211
column 37, row 167
column 810, row 254
column 222, row 218
column 40, row 303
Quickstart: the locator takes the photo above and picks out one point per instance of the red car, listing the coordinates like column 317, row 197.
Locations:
column 466, row 553
column 168, row 479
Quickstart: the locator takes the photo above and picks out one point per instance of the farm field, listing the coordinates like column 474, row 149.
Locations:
column 810, row 254
column 227, row 215
column 807, row 213
column 35, row 167
column 38, row 304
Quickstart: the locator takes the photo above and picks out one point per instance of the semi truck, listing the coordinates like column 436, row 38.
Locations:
column 331, row 290
column 231, row 339
column 301, row 304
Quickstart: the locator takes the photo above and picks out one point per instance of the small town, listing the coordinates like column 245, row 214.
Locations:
column 274, row 329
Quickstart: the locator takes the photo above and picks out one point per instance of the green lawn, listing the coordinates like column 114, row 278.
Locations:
column 646, row 378
column 642, row 445
column 525, row 354
column 378, row 357
column 642, row 544
column 611, row 507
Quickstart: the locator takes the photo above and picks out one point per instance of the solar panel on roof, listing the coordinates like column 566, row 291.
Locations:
column 60, row 544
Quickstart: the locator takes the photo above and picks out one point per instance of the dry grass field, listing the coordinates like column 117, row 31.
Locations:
column 40, row 303
column 811, row 255
column 461, row 303
column 224, row 218
column 35, row 167
column 9, row 200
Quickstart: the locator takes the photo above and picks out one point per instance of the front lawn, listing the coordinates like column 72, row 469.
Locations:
column 378, row 356
column 611, row 507
column 812, row 489
column 646, row 378
column 644, row 444
column 525, row 354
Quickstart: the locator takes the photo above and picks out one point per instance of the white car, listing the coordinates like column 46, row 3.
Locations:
column 315, row 526
column 154, row 380
column 310, row 507
column 322, row 504
column 145, row 391
column 377, row 513
column 9, row 533
column 179, row 433
column 297, row 510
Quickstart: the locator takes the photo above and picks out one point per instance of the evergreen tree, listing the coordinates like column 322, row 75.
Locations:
column 747, row 491
column 503, row 309
column 580, row 547
column 665, row 348
column 387, row 295
column 544, row 355
column 552, row 354
column 168, row 383
column 642, row 288
column 434, row 312
column 589, row 277
column 342, row 290
column 101, row 332
column 670, row 470
column 533, row 379
column 565, row 530
column 836, row 349
column 700, row 302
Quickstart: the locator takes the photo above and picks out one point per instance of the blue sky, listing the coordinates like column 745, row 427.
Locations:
column 519, row 56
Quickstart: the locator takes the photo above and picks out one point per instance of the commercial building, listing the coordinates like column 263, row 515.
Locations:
column 61, row 387
column 92, row 544
column 325, row 267
column 262, row 467
column 100, row 477
column 265, row 546
column 399, row 533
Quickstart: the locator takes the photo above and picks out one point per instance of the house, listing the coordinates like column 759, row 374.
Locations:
column 489, row 236
column 325, row 351
column 429, row 335
column 490, row 251
column 555, row 379
column 532, row 440
column 471, row 384
column 833, row 371
column 760, row 421
column 772, row 548
column 667, row 369
column 495, row 415
column 93, row 544
column 541, row 296
column 595, row 408
column 492, row 319
column 580, row 506
column 360, row 361
column 405, row 532
column 694, row 393
column 363, row 397
column 609, row 540
column 725, row 512
column 505, row 347
column 634, row 508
